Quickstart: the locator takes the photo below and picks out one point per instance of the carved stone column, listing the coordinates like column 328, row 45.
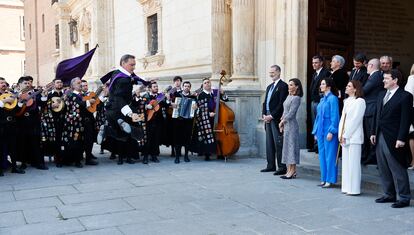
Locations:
column 102, row 33
column 221, row 37
column 243, row 41
column 63, row 15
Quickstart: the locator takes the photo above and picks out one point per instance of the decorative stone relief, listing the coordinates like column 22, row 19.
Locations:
column 155, row 59
column 85, row 22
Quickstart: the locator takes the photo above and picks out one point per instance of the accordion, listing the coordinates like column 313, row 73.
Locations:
column 184, row 108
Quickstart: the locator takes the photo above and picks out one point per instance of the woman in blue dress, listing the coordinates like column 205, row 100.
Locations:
column 325, row 130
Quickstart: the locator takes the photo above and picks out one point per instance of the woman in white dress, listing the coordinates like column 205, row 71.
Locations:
column 351, row 138
column 410, row 88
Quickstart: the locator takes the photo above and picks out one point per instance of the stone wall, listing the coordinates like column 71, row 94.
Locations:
column 12, row 40
column 185, row 41
column 386, row 27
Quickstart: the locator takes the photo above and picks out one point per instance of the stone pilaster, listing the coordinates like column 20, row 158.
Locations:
column 221, row 37
column 102, row 34
column 63, row 15
column 243, row 40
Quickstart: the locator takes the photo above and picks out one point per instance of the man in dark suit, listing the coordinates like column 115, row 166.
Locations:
column 390, row 134
column 320, row 72
column 372, row 87
column 272, row 111
column 359, row 72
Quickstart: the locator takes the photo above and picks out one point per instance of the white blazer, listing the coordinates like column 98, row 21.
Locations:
column 352, row 131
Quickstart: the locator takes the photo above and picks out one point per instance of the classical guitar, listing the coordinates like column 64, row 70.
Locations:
column 27, row 98
column 95, row 96
column 155, row 103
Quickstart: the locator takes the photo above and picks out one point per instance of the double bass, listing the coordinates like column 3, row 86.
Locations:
column 227, row 138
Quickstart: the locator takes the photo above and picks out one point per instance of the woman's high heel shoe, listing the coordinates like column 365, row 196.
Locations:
column 288, row 177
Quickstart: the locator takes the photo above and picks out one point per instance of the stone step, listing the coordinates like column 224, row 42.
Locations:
column 370, row 179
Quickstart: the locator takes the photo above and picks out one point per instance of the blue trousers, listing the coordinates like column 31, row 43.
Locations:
column 327, row 158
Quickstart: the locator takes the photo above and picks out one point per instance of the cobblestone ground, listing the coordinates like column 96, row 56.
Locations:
column 189, row 198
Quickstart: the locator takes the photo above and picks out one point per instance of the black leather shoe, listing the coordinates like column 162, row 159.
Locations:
column 385, row 199
column 17, row 170
column 130, row 161
column 311, row 150
column 78, row 165
column 186, row 159
column 1, row 173
column 91, row 162
column 23, row 166
column 59, row 165
column 400, row 204
column 177, row 160
column 145, row 160
column 207, row 158
column 280, row 172
column 120, row 161
column 42, row 167
column 267, row 170
column 112, row 157
column 154, row 159
column 93, row 157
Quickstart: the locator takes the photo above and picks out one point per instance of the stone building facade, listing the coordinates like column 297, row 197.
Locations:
column 199, row 38
column 12, row 49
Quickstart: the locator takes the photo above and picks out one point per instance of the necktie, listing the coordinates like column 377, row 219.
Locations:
column 269, row 95
column 387, row 96
column 356, row 72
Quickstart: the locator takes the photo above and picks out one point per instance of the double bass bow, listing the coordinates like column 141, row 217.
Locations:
column 228, row 141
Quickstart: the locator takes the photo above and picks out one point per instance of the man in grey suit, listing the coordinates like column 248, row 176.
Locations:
column 272, row 111
column 390, row 134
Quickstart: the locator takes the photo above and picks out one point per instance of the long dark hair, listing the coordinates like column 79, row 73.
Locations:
column 299, row 91
column 359, row 93
column 330, row 83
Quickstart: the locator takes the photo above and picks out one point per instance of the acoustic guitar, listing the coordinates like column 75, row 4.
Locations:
column 95, row 96
column 28, row 99
column 155, row 103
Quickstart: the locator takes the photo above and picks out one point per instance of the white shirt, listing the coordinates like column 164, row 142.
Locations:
column 124, row 71
column 318, row 71
column 373, row 72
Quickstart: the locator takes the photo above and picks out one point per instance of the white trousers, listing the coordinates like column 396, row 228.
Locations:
column 351, row 169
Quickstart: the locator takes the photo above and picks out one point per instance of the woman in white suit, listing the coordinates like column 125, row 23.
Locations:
column 351, row 138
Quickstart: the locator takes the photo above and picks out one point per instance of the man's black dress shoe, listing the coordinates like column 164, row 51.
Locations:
column 130, row 161
column 400, row 204
column 59, row 165
column 385, row 199
column 17, row 170
column 23, row 166
column 1, row 173
column 145, row 160
column 267, row 170
column 154, row 159
column 91, row 162
column 112, row 157
column 280, row 172
column 78, row 165
column 42, row 167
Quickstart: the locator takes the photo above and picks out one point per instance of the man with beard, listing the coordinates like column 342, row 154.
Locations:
column 90, row 130
column 8, row 135
column 52, row 122
column 183, row 124
column 28, row 125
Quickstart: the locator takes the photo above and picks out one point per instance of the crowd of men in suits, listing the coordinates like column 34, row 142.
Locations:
column 127, row 120
column 386, row 121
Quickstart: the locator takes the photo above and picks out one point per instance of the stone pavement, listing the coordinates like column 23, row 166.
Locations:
column 189, row 198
